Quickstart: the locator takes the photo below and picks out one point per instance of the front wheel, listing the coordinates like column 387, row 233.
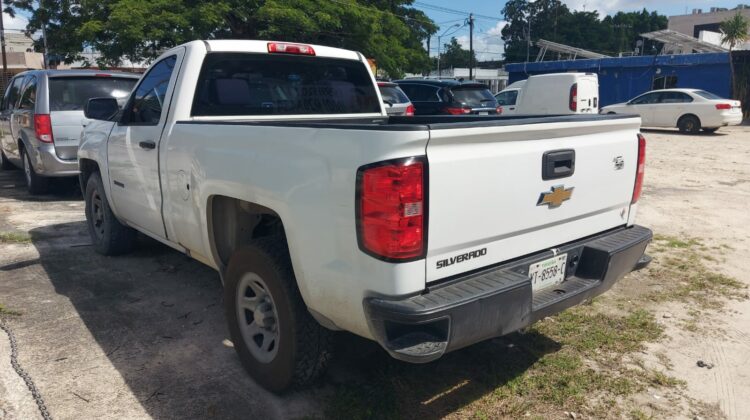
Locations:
column 35, row 183
column 277, row 340
column 108, row 235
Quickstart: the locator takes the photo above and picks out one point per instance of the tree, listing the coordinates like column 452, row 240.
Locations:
column 735, row 32
column 390, row 31
column 453, row 55
column 554, row 21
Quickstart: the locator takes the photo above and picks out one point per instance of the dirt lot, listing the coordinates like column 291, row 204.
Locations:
column 144, row 335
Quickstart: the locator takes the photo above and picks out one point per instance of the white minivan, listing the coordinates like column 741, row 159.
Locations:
column 552, row 94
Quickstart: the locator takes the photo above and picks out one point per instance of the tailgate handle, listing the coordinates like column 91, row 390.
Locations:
column 558, row 164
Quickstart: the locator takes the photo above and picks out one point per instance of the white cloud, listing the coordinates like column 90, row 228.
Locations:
column 15, row 23
column 488, row 45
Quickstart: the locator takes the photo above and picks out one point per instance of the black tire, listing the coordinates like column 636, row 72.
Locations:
column 689, row 124
column 710, row 130
column 5, row 164
column 304, row 347
column 108, row 235
column 35, row 183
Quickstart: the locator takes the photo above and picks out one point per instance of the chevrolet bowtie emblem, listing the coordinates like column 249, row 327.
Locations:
column 555, row 197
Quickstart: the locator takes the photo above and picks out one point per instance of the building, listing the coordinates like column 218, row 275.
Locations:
column 18, row 42
column 622, row 78
column 706, row 22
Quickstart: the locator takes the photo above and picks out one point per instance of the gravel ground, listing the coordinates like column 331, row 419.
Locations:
column 144, row 336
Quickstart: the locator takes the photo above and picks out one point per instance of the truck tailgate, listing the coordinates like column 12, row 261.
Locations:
column 486, row 189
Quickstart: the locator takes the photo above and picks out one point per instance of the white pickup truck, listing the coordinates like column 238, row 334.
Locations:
column 276, row 164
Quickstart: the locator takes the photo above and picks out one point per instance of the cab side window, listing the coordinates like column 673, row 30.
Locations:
column 649, row 98
column 11, row 95
column 28, row 97
column 507, row 98
column 147, row 103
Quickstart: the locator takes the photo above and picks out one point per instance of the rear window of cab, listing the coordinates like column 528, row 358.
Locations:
column 247, row 84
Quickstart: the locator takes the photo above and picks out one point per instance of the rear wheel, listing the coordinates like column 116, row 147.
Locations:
column 35, row 183
column 5, row 163
column 689, row 124
column 277, row 340
column 108, row 235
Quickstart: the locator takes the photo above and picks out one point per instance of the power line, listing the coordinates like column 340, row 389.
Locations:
column 453, row 11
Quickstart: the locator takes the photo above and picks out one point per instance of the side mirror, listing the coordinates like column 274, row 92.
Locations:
column 101, row 108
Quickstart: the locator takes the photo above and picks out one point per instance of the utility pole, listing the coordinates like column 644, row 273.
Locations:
column 44, row 35
column 471, row 46
column 528, row 40
column 2, row 46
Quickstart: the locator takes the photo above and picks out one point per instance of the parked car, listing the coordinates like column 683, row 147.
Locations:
column 449, row 97
column 507, row 98
column 552, row 94
column 690, row 110
column 395, row 100
column 246, row 156
column 41, row 118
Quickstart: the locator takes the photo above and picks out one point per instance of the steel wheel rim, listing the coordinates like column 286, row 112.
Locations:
column 257, row 318
column 27, row 168
column 97, row 214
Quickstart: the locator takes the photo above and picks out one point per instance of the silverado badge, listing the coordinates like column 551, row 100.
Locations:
column 555, row 197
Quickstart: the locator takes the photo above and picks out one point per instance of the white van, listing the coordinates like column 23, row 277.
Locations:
column 552, row 94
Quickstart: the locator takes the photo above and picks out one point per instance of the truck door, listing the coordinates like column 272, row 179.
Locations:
column 133, row 148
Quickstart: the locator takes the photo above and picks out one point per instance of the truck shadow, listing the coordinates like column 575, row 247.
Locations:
column 677, row 132
column 158, row 318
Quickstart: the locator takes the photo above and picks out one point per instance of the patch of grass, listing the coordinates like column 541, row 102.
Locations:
column 658, row 378
column 15, row 238
column 573, row 362
column 683, row 276
column 673, row 242
column 6, row 311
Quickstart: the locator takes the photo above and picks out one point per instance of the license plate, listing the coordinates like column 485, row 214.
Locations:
column 484, row 113
column 548, row 272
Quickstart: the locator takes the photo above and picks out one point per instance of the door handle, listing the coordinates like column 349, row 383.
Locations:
column 558, row 164
column 147, row 144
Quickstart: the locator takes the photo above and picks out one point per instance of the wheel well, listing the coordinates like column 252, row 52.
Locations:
column 234, row 223
column 87, row 167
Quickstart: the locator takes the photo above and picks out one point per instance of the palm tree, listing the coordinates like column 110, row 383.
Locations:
column 735, row 32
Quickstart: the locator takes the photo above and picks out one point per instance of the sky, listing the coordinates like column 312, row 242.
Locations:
column 489, row 22
column 487, row 28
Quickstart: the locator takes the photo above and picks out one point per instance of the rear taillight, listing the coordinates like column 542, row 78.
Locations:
column 410, row 110
column 286, row 48
column 391, row 209
column 640, row 170
column 573, row 97
column 453, row 110
column 723, row 106
column 499, row 110
column 43, row 128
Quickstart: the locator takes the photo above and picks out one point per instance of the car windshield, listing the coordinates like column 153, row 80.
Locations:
column 475, row 97
column 707, row 95
column 393, row 95
column 266, row 84
column 72, row 93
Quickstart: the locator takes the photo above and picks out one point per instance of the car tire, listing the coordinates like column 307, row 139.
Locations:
column 710, row 130
column 35, row 183
column 689, row 124
column 277, row 340
column 5, row 164
column 108, row 235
